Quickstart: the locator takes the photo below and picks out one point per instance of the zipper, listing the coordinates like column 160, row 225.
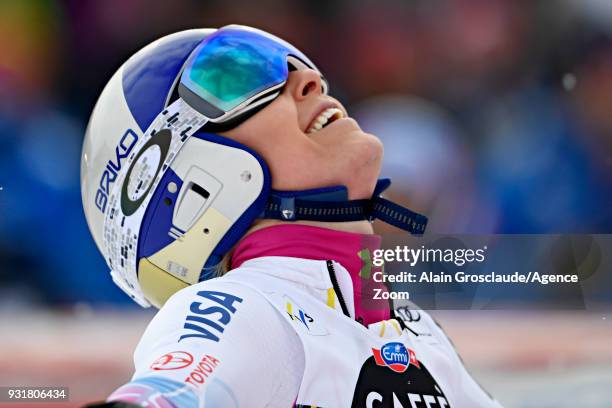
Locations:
column 334, row 281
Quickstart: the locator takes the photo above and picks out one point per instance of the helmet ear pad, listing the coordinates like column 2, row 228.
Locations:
column 253, row 211
column 204, row 203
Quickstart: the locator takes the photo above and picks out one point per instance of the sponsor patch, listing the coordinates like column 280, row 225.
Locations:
column 395, row 356
column 394, row 378
column 303, row 319
column 174, row 360
column 209, row 316
column 202, row 371
column 407, row 314
column 112, row 168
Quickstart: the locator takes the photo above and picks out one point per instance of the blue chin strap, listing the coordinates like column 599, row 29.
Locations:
column 332, row 204
column 329, row 204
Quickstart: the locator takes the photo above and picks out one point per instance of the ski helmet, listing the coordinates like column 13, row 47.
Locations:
column 164, row 199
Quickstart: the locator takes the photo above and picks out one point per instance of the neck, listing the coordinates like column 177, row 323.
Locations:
column 358, row 227
column 345, row 243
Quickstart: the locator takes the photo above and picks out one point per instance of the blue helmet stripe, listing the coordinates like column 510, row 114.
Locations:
column 148, row 76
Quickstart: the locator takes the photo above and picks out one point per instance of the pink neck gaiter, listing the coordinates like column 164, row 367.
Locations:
column 351, row 250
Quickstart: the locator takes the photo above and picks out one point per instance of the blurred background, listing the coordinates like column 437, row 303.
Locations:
column 496, row 118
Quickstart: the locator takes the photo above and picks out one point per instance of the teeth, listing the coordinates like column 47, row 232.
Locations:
column 323, row 118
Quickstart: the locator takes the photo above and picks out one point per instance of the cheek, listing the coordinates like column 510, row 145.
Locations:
column 370, row 149
column 354, row 147
column 296, row 165
column 274, row 133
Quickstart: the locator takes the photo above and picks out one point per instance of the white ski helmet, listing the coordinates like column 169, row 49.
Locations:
column 164, row 199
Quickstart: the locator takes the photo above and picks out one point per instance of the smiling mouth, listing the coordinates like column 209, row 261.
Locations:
column 325, row 118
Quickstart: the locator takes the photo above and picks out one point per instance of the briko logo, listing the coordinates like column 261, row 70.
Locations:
column 109, row 175
column 395, row 356
column 175, row 360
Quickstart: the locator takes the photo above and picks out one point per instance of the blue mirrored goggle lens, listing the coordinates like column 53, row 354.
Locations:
column 233, row 65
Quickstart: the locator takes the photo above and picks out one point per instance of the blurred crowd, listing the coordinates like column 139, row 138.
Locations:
column 495, row 114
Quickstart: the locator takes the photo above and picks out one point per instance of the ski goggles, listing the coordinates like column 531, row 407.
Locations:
column 236, row 69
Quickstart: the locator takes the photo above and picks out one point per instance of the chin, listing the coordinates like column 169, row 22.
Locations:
column 365, row 170
column 376, row 150
column 362, row 189
column 364, row 178
column 371, row 152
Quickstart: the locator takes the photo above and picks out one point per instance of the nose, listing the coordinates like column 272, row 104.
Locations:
column 304, row 83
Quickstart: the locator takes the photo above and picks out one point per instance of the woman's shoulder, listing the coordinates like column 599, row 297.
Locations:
column 216, row 313
column 223, row 332
column 228, row 297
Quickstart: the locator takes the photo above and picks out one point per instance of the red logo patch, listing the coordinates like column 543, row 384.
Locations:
column 205, row 367
column 173, row 361
column 395, row 356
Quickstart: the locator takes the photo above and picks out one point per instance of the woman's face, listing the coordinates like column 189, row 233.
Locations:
column 340, row 153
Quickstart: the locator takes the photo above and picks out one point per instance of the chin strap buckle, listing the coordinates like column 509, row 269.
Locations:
column 287, row 208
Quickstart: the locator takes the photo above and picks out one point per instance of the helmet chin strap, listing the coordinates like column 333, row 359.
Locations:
column 332, row 204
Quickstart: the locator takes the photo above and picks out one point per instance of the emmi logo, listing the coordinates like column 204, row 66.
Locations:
column 122, row 151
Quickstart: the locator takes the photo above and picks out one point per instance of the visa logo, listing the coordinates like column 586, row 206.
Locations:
column 209, row 318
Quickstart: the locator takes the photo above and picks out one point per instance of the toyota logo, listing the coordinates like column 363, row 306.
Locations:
column 173, row 361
